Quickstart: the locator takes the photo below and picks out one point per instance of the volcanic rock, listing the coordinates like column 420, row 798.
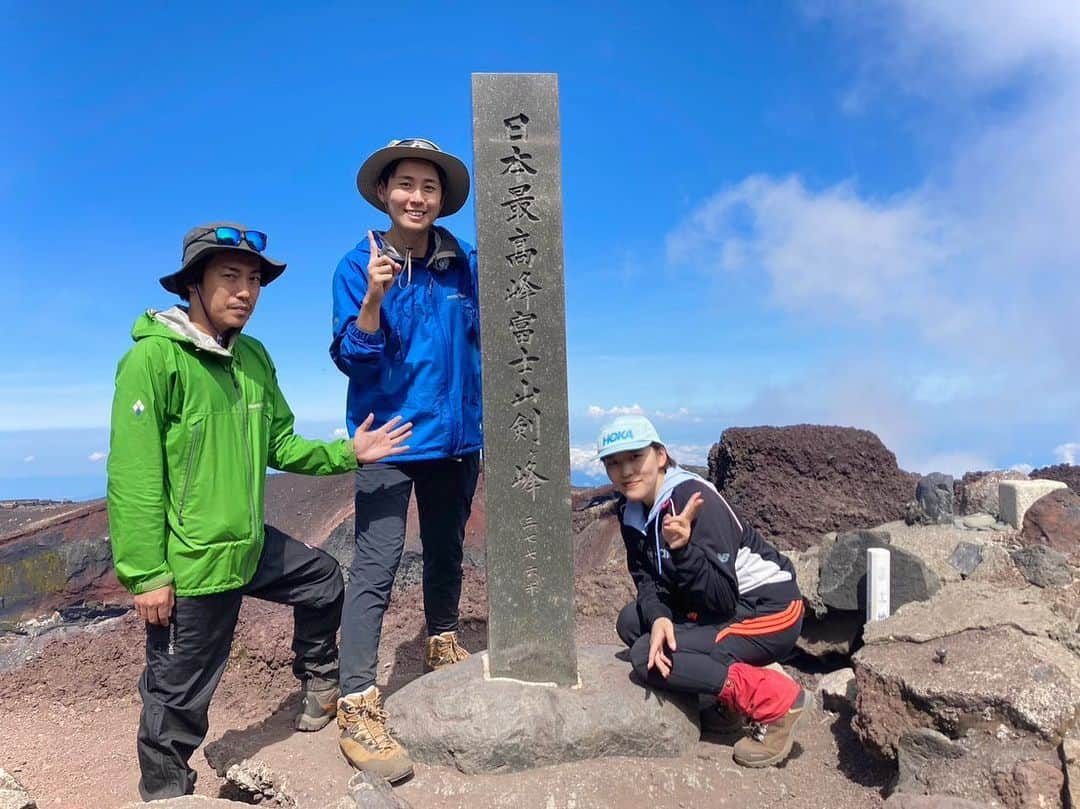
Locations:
column 1054, row 521
column 842, row 583
column 977, row 492
column 1069, row 474
column 1043, row 566
column 934, row 499
column 456, row 717
column 795, row 484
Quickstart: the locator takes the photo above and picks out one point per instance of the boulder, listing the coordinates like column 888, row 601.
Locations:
column 367, row 791
column 836, row 691
column 458, row 717
column 966, row 556
column 795, row 484
column 1054, row 521
column 977, row 492
column 1069, row 474
column 1070, row 757
column 989, row 768
column 12, row 794
column 989, row 677
column 1017, row 496
column 842, row 582
column 919, row 753
column 934, row 496
column 1043, row 566
column 970, row 605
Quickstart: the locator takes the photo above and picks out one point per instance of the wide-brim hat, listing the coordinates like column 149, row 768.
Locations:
column 456, row 187
column 626, row 433
column 202, row 241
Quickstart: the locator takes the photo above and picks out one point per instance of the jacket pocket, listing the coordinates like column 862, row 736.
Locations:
column 216, row 500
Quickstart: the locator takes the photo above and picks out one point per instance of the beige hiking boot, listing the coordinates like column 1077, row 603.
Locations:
column 443, row 650
column 366, row 742
column 770, row 744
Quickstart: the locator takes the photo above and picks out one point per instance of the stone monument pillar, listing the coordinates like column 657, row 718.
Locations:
column 530, row 557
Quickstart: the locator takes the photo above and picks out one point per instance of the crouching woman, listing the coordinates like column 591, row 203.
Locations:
column 716, row 603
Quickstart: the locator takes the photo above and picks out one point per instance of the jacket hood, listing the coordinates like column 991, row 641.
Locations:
column 175, row 324
column 634, row 514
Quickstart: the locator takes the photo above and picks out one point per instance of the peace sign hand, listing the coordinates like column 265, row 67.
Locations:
column 381, row 271
column 676, row 527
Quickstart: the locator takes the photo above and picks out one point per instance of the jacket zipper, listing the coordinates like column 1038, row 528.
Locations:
column 455, row 423
column 195, row 436
column 244, row 429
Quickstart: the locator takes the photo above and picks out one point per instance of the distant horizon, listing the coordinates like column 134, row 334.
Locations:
column 851, row 214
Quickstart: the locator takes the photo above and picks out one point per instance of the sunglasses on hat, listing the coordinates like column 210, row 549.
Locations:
column 233, row 237
column 422, row 143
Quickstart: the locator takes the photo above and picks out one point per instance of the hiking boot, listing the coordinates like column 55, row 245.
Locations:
column 769, row 744
column 318, row 704
column 366, row 742
column 722, row 721
column 443, row 650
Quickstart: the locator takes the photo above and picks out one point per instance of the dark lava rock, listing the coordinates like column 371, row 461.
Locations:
column 1054, row 520
column 1043, row 566
column 842, row 582
column 795, row 484
column 1069, row 474
column 934, row 493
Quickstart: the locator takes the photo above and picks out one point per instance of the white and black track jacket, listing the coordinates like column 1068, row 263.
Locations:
column 726, row 572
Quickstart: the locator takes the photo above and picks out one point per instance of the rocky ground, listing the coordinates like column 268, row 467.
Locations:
column 69, row 718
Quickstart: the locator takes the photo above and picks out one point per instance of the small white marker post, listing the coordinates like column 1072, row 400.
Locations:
column 877, row 584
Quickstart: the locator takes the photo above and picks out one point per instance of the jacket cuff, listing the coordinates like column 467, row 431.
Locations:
column 153, row 583
column 369, row 340
column 658, row 611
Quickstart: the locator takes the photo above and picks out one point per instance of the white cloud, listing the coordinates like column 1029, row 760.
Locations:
column 1068, row 453
column 597, row 412
column 29, row 459
column 971, row 265
column 1026, row 468
column 681, row 414
column 340, row 432
column 582, row 459
column 95, row 457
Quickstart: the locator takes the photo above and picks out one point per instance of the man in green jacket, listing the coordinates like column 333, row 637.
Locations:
column 197, row 418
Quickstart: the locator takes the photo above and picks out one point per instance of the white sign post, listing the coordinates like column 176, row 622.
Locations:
column 877, row 584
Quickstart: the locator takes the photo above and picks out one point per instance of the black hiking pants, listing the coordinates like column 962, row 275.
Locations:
column 444, row 493
column 699, row 665
column 185, row 660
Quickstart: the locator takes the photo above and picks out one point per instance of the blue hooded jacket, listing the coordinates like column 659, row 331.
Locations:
column 424, row 362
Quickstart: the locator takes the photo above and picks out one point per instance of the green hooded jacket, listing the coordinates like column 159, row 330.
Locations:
column 194, row 427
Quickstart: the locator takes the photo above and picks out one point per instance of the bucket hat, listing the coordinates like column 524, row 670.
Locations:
column 203, row 241
column 456, row 189
column 626, row 433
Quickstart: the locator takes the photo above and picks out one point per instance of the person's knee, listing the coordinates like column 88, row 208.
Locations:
column 628, row 624
column 331, row 591
column 639, row 657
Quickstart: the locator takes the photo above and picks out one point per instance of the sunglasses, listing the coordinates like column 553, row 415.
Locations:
column 232, row 237
column 422, row 143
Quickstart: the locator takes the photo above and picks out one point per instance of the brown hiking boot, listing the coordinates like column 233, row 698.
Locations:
column 443, row 650
column 770, row 744
column 366, row 742
column 318, row 704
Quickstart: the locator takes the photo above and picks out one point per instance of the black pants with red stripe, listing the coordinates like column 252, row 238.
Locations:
column 699, row 664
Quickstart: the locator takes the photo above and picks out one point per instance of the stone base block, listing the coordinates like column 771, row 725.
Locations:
column 1016, row 496
column 459, row 718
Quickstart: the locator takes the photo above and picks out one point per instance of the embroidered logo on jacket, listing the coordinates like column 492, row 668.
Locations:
column 138, row 408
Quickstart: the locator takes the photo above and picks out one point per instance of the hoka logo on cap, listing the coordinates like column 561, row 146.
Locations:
column 625, row 433
column 619, row 435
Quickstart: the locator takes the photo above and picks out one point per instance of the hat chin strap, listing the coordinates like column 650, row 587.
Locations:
column 219, row 336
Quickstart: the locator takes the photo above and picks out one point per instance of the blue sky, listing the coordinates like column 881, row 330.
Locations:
column 829, row 212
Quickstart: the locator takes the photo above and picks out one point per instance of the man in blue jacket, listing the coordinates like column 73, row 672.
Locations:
column 406, row 334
